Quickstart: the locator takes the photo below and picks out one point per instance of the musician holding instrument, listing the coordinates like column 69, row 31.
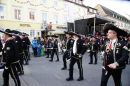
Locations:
column 68, row 46
column 93, row 46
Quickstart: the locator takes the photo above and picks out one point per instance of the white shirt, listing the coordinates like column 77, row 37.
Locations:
column 75, row 47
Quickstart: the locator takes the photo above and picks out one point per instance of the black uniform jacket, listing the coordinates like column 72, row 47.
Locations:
column 120, row 55
column 55, row 44
column 49, row 44
column 24, row 44
column 28, row 41
column 69, row 43
column 94, row 45
column 19, row 43
column 81, row 47
column 10, row 53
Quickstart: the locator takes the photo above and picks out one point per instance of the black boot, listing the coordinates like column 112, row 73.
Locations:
column 51, row 60
column 64, row 68
column 69, row 79
column 80, row 79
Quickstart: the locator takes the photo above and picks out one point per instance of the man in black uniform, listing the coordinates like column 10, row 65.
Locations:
column 49, row 45
column 55, row 48
column 10, row 58
column 93, row 46
column 19, row 42
column 28, row 45
column 79, row 48
column 115, row 54
column 25, row 49
column 68, row 45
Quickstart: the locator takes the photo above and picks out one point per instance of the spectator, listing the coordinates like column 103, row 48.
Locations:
column 35, row 45
column 39, row 48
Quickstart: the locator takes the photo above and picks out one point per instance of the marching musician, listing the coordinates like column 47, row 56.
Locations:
column 10, row 58
column 55, row 48
column 93, row 46
column 19, row 42
column 25, row 49
column 115, row 54
column 68, row 45
column 78, row 49
column 49, row 45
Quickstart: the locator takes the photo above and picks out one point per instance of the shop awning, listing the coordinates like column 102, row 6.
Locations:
column 60, row 31
column 47, row 30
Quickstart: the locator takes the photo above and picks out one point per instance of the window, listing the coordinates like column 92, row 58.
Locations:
column 55, row 3
column 32, row 33
column 32, row 15
column 65, row 19
column 44, row 1
column 17, row 14
column 90, row 10
column 56, row 18
column 65, row 6
column 78, row 9
column 32, row 0
column 44, row 17
column 77, row 1
column 1, row 12
column 95, row 11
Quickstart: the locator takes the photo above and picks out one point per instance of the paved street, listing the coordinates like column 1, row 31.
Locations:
column 41, row 72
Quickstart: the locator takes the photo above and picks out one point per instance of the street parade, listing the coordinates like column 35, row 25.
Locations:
column 32, row 57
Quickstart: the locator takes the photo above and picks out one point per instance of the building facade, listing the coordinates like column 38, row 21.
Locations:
column 34, row 16
column 121, row 21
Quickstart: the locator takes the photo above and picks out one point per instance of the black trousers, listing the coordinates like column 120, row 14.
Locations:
column 64, row 59
column 12, row 71
column 56, row 52
column 91, row 57
column 116, row 74
column 28, row 52
column 49, row 51
column 79, row 63
column 26, row 56
column 35, row 52
column 19, row 64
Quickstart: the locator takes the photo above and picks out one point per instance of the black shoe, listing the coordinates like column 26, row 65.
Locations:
column 64, row 68
column 5, row 85
column 27, row 64
column 57, row 60
column 80, row 79
column 69, row 79
column 51, row 60
column 21, row 73
column 95, row 63
column 47, row 57
column 90, row 63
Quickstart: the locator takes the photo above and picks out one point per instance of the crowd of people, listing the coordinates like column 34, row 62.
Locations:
column 113, row 45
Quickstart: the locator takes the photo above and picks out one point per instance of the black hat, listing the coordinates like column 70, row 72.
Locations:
column 76, row 33
column 48, row 35
column 128, row 35
column 8, row 31
column 119, row 31
column 55, row 36
column 17, row 32
column 92, row 36
column 67, row 32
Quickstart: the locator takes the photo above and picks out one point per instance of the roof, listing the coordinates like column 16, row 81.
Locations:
column 82, row 5
column 114, row 14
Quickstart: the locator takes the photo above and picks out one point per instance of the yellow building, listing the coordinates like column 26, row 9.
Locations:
column 33, row 16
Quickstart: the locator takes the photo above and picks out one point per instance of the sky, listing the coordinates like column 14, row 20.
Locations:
column 119, row 6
